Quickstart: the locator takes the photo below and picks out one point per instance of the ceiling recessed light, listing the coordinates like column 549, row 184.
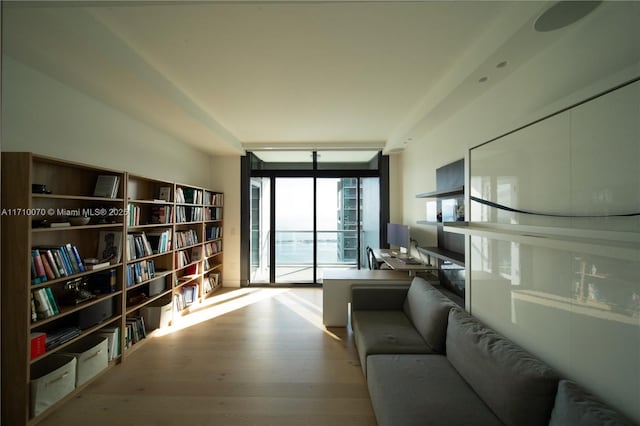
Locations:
column 563, row 14
column 502, row 64
column 483, row 79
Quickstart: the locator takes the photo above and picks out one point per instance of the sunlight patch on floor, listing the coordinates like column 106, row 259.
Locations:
column 219, row 305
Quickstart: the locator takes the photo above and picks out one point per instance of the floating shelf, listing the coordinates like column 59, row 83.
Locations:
column 459, row 190
column 448, row 255
column 613, row 244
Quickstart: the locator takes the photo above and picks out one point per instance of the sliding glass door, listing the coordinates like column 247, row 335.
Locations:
column 294, row 231
column 302, row 238
column 304, row 219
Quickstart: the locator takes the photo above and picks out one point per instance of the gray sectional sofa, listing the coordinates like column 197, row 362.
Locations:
column 427, row 362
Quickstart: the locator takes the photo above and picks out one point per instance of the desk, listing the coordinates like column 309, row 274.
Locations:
column 398, row 265
column 336, row 290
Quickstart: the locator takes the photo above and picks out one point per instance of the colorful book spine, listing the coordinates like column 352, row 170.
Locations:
column 37, row 260
column 76, row 254
column 52, row 301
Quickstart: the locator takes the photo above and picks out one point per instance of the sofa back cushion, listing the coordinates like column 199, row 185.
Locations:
column 576, row 406
column 519, row 388
column 428, row 311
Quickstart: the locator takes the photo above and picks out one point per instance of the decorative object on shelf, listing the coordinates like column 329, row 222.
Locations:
column 75, row 292
column 110, row 246
column 79, row 220
column 39, row 188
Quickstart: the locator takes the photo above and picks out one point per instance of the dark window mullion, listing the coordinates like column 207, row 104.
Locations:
column 272, row 237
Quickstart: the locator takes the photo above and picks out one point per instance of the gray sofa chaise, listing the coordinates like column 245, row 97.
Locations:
column 427, row 362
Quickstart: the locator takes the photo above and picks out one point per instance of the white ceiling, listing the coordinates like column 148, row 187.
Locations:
column 227, row 76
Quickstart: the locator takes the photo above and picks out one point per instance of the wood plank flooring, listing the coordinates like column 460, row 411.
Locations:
column 252, row 357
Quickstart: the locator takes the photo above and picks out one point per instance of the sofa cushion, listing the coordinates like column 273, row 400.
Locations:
column 519, row 388
column 422, row 390
column 384, row 332
column 428, row 310
column 378, row 298
column 576, row 406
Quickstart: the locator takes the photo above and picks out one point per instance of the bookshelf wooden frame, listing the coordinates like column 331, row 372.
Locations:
column 71, row 185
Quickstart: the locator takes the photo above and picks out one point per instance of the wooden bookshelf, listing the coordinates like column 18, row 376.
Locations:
column 71, row 187
column 142, row 210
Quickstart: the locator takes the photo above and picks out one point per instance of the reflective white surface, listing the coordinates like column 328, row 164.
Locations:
column 577, row 310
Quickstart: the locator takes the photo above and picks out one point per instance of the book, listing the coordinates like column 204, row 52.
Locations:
column 110, row 246
column 52, row 262
column 59, row 224
column 34, row 313
column 96, row 266
column 113, row 341
column 40, row 272
column 35, row 279
column 37, row 344
column 106, row 186
column 43, row 310
column 74, row 251
column 52, row 301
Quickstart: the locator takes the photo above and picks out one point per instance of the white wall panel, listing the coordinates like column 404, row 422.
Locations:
column 577, row 309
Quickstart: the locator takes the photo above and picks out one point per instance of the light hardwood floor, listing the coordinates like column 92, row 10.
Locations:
column 252, row 357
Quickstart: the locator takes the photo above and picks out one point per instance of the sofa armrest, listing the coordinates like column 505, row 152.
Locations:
column 371, row 298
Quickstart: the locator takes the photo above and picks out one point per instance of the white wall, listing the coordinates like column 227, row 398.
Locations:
column 44, row 116
column 225, row 177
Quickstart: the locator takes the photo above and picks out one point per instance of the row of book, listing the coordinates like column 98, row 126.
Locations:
column 182, row 259
column 187, row 296
column 138, row 246
column 213, row 213
column 212, row 248
column 134, row 332
column 140, row 271
column 213, row 199
column 186, row 238
column 49, row 263
column 43, row 304
column 161, row 215
column 213, row 233
column 113, row 341
column 188, row 214
column 160, row 240
column 106, row 186
column 60, row 336
column 188, row 195
column 210, row 281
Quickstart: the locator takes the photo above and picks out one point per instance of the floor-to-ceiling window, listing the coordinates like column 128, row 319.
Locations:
column 309, row 211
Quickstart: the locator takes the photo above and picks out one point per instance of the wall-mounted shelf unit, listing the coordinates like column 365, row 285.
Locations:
column 447, row 204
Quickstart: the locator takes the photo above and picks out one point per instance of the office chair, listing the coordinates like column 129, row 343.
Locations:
column 373, row 261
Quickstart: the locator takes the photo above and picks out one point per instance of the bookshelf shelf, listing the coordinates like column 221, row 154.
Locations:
column 152, row 202
column 134, row 308
column 71, row 277
column 188, row 247
column 138, row 205
column 83, row 333
column 158, row 275
column 148, row 226
column 79, row 227
column 77, row 197
column 66, row 310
